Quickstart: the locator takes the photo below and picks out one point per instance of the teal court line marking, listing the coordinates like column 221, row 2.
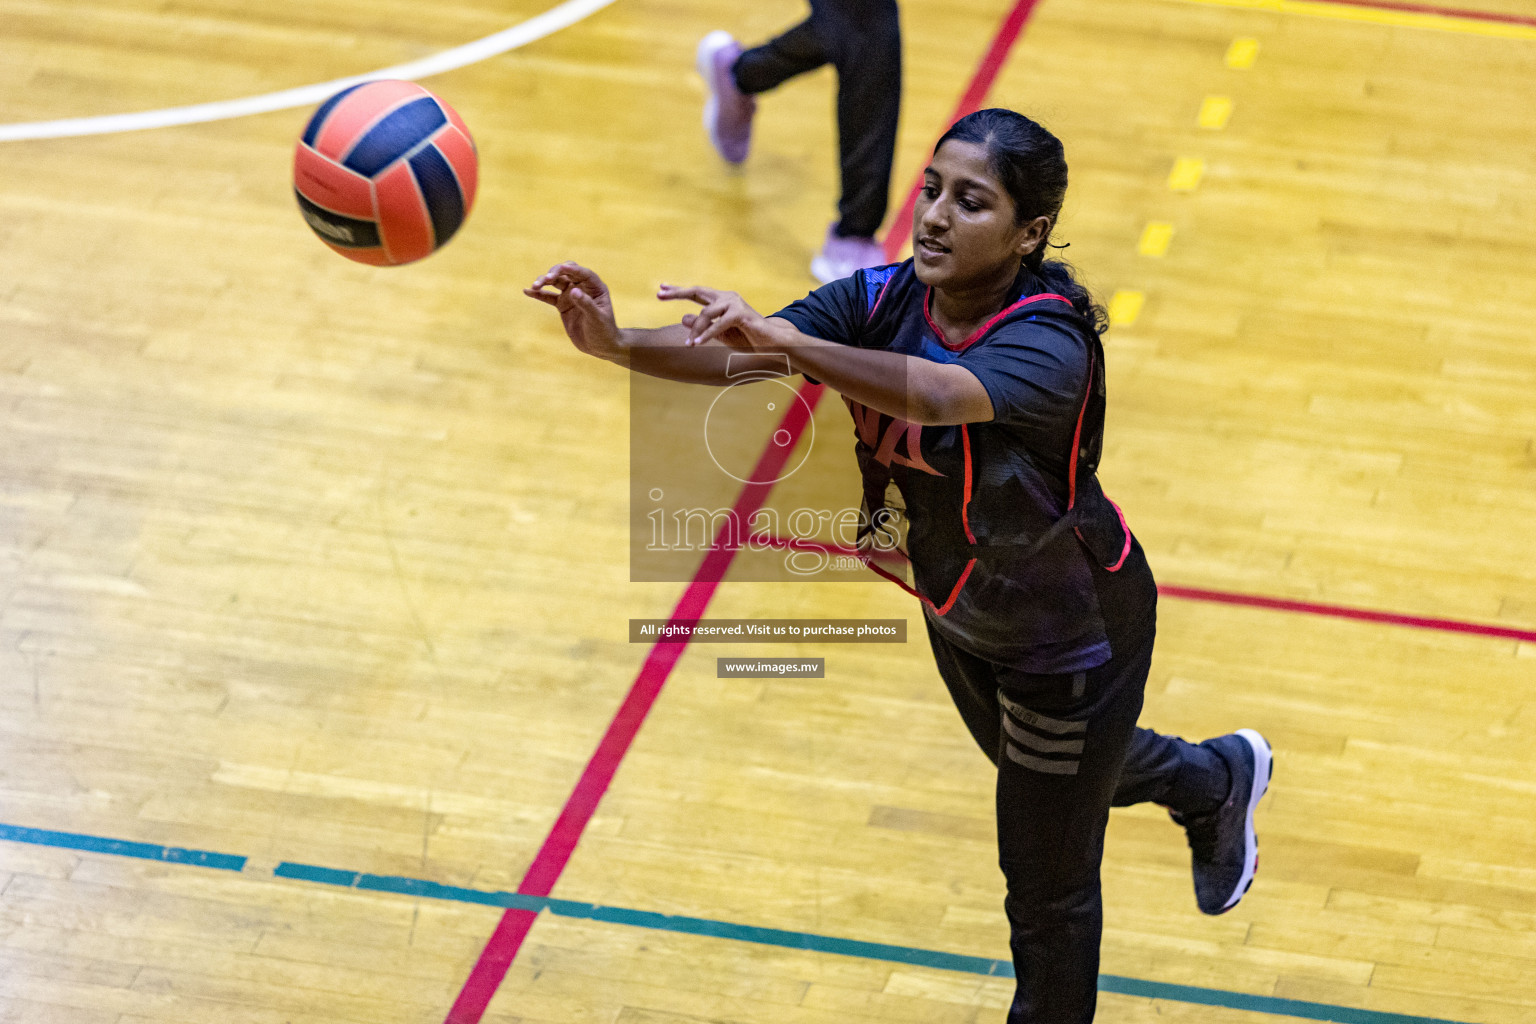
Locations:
column 806, row 941
column 842, row 947
column 122, row 848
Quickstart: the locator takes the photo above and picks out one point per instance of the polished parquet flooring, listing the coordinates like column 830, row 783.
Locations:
column 308, row 562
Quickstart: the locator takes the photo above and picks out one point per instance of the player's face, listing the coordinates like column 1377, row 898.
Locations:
column 963, row 229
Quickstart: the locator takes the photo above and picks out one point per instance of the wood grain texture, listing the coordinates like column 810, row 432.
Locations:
column 307, row 561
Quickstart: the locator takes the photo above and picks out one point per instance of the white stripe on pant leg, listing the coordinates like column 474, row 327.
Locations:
column 1039, row 743
column 1040, row 764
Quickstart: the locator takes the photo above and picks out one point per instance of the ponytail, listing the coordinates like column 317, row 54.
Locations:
column 1059, row 276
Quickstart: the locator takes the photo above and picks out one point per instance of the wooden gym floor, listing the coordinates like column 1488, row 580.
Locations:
column 305, row 565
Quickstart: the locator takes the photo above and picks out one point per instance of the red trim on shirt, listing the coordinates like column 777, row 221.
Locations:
column 956, row 592
column 977, row 334
column 965, row 441
column 937, row 609
column 1077, row 435
column 927, row 301
column 1125, row 528
column 879, row 299
column 965, row 504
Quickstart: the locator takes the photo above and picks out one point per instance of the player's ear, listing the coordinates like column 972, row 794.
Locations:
column 1033, row 235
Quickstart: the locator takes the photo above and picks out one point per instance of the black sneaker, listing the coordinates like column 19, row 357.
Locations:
column 1223, row 846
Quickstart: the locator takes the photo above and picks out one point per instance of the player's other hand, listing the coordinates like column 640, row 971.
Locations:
column 725, row 316
column 585, row 305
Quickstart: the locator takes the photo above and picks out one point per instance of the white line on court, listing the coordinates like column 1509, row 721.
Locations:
column 535, row 28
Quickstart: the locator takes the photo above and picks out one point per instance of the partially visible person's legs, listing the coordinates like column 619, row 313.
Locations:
column 1064, row 739
column 1067, row 748
column 1212, row 790
column 862, row 39
column 1182, row 776
column 1058, row 742
column 867, row 54
column 797, row 51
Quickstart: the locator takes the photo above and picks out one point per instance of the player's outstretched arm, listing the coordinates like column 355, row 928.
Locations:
column 586, row 312
column 911, row 388
column 907, row 387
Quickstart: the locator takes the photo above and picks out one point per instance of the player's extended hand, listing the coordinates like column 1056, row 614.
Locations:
column 725, row 316
column 586, row 308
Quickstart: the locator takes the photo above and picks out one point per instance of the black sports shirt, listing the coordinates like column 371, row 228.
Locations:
column 980, row 497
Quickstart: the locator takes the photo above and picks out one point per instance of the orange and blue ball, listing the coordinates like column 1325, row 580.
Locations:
column 385, row 172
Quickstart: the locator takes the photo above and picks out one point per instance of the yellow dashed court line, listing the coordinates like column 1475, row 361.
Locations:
column 1214, row 112
column 1242, row 53
column 1155, row 238
column 1125, row 307
column 1186, row 174
column 1380, row 16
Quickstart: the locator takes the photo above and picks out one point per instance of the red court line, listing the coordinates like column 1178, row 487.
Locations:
column 502, row 947
column 1445, row 12
column 1335, row 611
column 1278, row 604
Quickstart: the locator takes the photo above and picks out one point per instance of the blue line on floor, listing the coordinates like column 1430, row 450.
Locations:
column 703, row 926
column 841, row 947
column 121, row 848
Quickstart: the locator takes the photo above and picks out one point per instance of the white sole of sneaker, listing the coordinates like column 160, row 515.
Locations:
column 1263, row 771
column 823, row 270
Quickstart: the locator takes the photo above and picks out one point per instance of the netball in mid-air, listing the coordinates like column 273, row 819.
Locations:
column 385, row 172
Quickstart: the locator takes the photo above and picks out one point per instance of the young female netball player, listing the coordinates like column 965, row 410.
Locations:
column 1039, row 603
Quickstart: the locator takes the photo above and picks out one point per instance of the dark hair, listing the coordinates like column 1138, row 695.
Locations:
column 1032, row 166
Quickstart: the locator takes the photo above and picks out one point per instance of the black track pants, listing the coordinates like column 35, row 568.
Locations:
column 862, row 39
column 1066, row 749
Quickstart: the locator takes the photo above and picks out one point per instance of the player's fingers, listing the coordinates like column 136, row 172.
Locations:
column 553, row 279
column 549, row 298
column 565, row 274
column 703, row 319
column 599, row 316
column 728, row 320
column 586, row 277
column 585, row 301
column 694, row 293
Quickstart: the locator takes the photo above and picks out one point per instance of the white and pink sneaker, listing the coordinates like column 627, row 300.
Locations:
column 728, row 111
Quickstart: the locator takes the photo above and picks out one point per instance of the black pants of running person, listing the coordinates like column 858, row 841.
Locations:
column 862, row 39
column 1066, row 749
